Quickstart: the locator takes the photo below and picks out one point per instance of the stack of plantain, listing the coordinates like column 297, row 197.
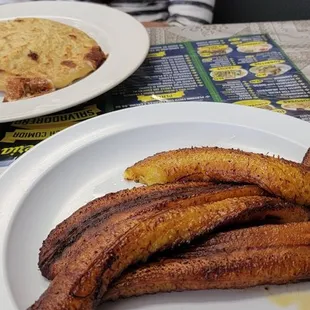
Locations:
column 207, row 218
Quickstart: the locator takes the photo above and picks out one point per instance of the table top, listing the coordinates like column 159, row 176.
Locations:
column 292, row 36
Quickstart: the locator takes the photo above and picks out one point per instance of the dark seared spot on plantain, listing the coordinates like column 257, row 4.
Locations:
column 192, row 177
column 101, row 209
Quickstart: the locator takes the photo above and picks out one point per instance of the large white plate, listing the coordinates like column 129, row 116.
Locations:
column 119, row 34
column 87, row 160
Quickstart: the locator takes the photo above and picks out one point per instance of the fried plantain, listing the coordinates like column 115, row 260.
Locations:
column 65, row 240
column 271, row 254
column 280, row 177
column 108, row 249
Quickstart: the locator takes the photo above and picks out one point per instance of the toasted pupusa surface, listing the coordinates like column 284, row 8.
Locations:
column 280, row 177
column 40, row 55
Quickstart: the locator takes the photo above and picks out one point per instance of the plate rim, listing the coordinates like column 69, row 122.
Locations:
column 70, row 96
column 117, row 122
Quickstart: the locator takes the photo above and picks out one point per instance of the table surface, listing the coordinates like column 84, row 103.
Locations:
column 292, row 36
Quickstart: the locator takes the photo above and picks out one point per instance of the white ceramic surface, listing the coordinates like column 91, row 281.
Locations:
column 87, row 160
column 120, row 35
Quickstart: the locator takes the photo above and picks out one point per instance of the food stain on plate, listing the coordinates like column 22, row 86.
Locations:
column 299, row 299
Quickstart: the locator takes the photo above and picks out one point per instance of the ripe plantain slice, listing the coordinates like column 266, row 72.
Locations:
column 108, row 249
column 275, row 254
column 280, row 177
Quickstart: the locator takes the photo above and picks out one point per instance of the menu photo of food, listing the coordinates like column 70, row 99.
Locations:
column 254, row 47
column 228, row 73
column 214, row 50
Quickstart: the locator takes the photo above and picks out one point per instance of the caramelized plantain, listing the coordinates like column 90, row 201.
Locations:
column 108, row 249
column 279, row 177
column 274, row 254
column 65, row 240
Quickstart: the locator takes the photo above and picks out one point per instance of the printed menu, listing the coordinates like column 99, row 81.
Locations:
column 244, row 70
column 247, row 70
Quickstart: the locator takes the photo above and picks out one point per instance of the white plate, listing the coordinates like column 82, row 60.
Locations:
column 87, row 160
column 120, row 35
